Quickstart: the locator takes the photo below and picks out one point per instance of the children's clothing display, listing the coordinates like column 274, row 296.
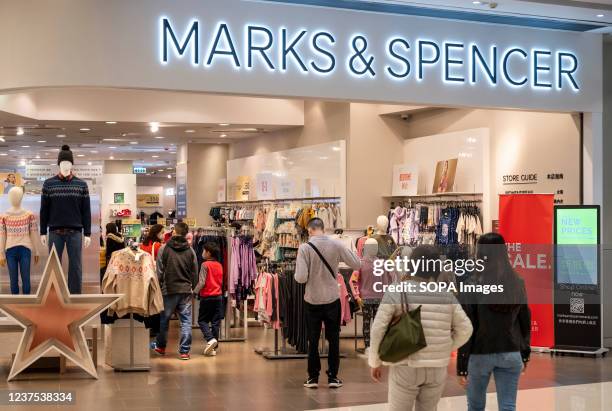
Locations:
column 243, row 267
column 18, row 236
column 132, row 273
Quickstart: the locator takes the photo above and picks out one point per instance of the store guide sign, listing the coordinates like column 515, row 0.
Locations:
column 45, row 171
column 398, row 58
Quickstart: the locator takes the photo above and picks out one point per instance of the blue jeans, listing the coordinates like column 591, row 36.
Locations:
column 72, row 240
column 18, row 259
column 182, row 304
column 506, row 369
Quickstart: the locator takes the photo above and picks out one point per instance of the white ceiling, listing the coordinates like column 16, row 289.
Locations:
column 572, row 10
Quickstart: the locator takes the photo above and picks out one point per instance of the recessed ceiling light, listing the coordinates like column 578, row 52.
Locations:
column 2, row 139
column 133, row 142
column 80, row 155
column 169, row 176
column 154, row 126
column 85, row 129
column 111, row 158
column 190, row 131
column 89, row 163
column 224, row 124
column 336, row 148
column 159, row 137
column 155, row 156
column 600, row 15
column 111, row 122
column 476, row 2
column 12, row 150
column 61, row 135
column 223, row 135
column 94, row 151
column 20, row 131
column 169, row 168
column 112, row 147
column 42, row 141
column 37, row 156
column 3, row 154
column 25, row 146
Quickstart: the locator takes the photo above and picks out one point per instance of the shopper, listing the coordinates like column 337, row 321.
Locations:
column 151, row 244
column 209, row 289
column 114, row 242
column 500, row 344
column 316, row 266
column 177, row 269
column 419, row 379
column 153, row 241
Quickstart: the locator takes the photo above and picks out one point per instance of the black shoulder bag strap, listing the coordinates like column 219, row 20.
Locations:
column 323, row 260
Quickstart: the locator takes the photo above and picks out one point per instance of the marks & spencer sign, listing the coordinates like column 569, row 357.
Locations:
column 401, row 59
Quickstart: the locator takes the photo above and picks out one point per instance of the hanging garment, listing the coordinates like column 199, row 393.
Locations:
column 397, row 222
column 386, row 245
column 132, row 273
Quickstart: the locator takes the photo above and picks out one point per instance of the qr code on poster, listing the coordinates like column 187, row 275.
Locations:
column 577, row 305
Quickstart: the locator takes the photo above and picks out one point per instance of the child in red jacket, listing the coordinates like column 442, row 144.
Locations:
column 209, row 289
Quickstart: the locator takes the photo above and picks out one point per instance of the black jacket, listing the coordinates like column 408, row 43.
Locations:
column 177, row 267
column 113, row 243
column 497, row 329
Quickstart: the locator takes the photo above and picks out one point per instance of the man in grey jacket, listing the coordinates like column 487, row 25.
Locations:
column 177, row 270
column 317, row 267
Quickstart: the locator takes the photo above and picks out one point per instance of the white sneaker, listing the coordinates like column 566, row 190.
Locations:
column 213, row 353
column 211, row 346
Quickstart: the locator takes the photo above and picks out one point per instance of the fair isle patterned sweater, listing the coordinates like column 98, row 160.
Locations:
column 65, row 204
column 18, row 229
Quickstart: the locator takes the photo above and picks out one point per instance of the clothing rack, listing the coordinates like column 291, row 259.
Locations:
column 282, row 200
column 280, row 351
column 227, row 324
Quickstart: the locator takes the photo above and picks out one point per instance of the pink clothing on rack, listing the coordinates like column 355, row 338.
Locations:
column 360, row 243
column 345, row 317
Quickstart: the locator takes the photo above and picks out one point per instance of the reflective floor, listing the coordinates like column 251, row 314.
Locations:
column 239, row 379
column 584, row 397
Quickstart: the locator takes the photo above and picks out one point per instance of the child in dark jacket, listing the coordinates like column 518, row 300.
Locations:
column 210, row 291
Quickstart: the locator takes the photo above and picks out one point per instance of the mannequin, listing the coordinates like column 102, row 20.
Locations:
column 386, row 243
column 18, row 241
column 65, row 217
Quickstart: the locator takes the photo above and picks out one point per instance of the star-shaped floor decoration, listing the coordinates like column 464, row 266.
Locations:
column 53, row 320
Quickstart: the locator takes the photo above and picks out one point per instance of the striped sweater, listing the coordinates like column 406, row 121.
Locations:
column 18, row 229
column 65, row 204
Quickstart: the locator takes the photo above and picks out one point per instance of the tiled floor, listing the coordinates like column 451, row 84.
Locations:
column 585, row 397
column 239, row 379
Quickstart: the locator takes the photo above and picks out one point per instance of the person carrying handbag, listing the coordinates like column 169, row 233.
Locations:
column 418, row 379
column 317, row 267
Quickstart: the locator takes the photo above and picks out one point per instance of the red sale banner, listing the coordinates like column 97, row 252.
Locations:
column 526, row 222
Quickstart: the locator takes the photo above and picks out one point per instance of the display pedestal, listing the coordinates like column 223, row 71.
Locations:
column 117, row 346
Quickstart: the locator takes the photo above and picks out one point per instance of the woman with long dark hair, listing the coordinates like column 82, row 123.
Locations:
column 153, row 240
column 500, row 344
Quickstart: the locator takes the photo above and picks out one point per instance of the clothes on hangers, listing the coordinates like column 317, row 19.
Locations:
column 132, row 273
column 243, row 267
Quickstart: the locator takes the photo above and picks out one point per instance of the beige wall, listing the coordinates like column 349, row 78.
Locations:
column 206, row 164
column 323, row 122
column 374, row 145
column 168, row 203
column 521, row 141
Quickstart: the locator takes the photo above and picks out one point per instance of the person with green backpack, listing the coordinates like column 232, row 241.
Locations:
column 415, row 334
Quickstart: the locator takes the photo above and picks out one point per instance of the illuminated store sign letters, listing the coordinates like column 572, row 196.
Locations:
column 401, row 59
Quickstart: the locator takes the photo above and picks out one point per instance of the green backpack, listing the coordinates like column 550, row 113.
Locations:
column 405, row 335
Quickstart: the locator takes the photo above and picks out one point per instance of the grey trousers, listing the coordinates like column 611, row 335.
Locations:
column 420, row 388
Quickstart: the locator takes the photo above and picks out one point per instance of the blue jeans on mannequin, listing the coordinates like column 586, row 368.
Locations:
column 182, row 304
column 72, row 240
column 18, row 259
column 506, row 369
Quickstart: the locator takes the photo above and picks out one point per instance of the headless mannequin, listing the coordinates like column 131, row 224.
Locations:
column 65, row 170
column 386, row 243
column 382, row 224
column 15, row 196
